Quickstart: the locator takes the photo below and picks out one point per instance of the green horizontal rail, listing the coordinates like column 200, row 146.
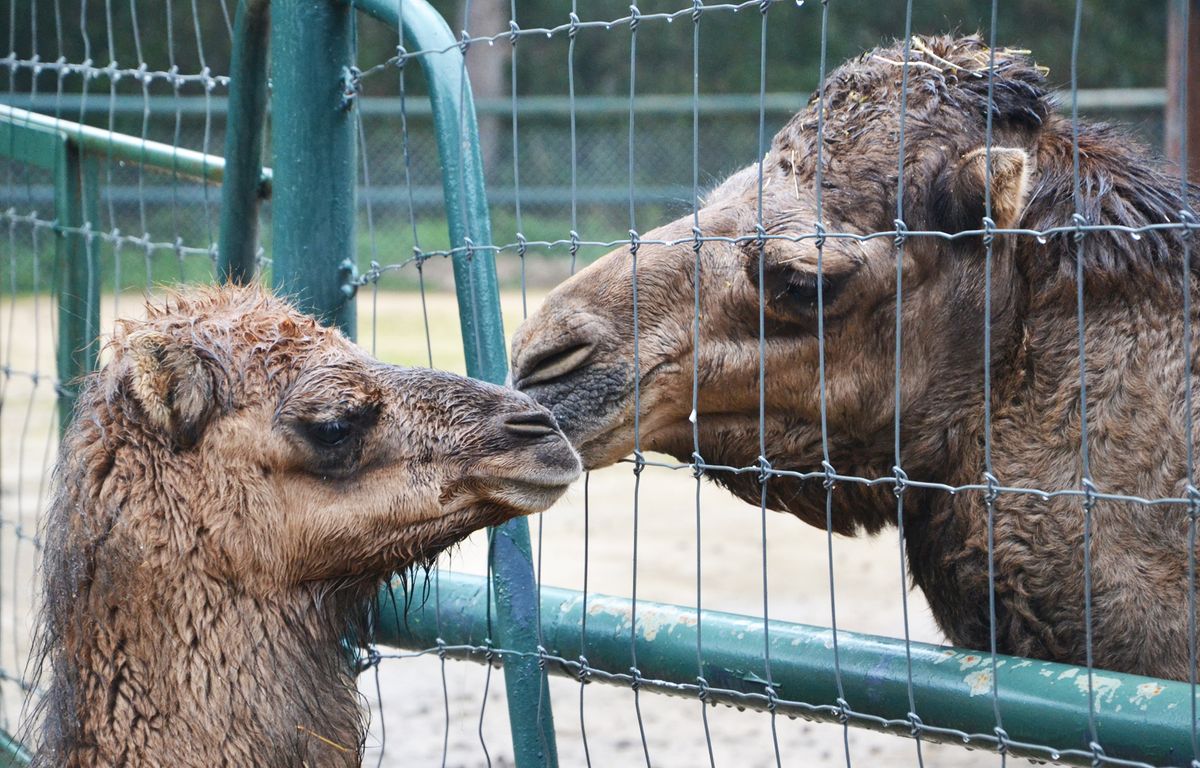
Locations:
column 12, row 754
column 1107, row 99
column 154, row 155
column 1041, row 703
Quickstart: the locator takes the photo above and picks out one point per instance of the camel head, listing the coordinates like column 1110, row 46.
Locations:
column 700, row 282
column 279, row 449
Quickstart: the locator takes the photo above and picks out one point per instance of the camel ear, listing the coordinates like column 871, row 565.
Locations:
column 961, row 203
column 172, row 385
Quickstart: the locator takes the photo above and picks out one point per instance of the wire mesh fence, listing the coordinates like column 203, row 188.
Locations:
column 567, row 182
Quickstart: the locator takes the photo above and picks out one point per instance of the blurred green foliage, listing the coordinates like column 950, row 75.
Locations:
column 1123, row 41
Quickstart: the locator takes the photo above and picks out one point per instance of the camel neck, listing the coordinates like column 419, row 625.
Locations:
column 205, row 674
column 1136, row 446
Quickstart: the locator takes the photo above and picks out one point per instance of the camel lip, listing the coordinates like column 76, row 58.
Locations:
column 529, row 496
column 594, row 436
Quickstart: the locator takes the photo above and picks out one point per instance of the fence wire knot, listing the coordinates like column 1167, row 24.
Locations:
column 1089, row 494
column 573, row 29
column 772, row 698
column 915, row 726
column 843, row 711
column 1001, row 739
column 584, row 673
column 574, row 244
column 1080, row 224
column 764, row 470
column 351, row 86
column 522, row 245
column 760, row 236
column 636, row 674
column 1188, row 219
column 764, row 6
column 210, row 82
column 348, row 278
column 697, row 465
column 697, row 239
column 635, row 17
column 697, row 9
column 830, row 475
column 992, row 491
column 541, row 656
column 401, row 56
column 901, row 232
column 1193, row 501
column 819, row 229
column 1098, row 756
column 514, row 32
column 635, row 242
column 702, row 689
column 901, row 481
column 639, row 462
column 369, row 660
column 989, row 231
column 464, row 42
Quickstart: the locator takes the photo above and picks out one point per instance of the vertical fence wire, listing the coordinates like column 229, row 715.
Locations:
column 1087, row 486
column 697, row 459
column 1187, row 216
column 639, row 459
column 989, row 477
column 900, row 477
column 823, row 394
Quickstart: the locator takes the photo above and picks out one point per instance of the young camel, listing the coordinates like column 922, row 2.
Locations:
column 576, row 354
column 234, row 487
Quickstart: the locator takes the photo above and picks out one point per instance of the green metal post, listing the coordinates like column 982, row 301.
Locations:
column 1041, row 703
column 76, row 191
column 313, row 143
column 244, row 127
column 46, row 143
column 516, row 609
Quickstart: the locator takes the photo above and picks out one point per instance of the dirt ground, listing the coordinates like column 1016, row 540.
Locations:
column 408, row 698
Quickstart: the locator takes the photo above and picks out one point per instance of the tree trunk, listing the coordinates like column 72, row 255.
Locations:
column 1183, row 84
column 487, row 66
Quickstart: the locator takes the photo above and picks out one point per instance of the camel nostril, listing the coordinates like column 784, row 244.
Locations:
column 556, row 363
column 531, row 425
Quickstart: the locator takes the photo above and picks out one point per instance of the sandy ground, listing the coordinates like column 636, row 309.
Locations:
column 408, row 722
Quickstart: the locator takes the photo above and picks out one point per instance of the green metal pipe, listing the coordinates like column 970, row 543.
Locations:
column 12, row 753
column 1041, row 703
column 313, row 142
column 245, row 125
column 118, row 146
column 516, row 615
column 76, row 208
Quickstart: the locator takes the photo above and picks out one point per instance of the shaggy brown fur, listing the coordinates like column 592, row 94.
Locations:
column 234, row 486
column 576, row 354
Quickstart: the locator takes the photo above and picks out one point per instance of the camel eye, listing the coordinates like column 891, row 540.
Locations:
column 329, row 433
